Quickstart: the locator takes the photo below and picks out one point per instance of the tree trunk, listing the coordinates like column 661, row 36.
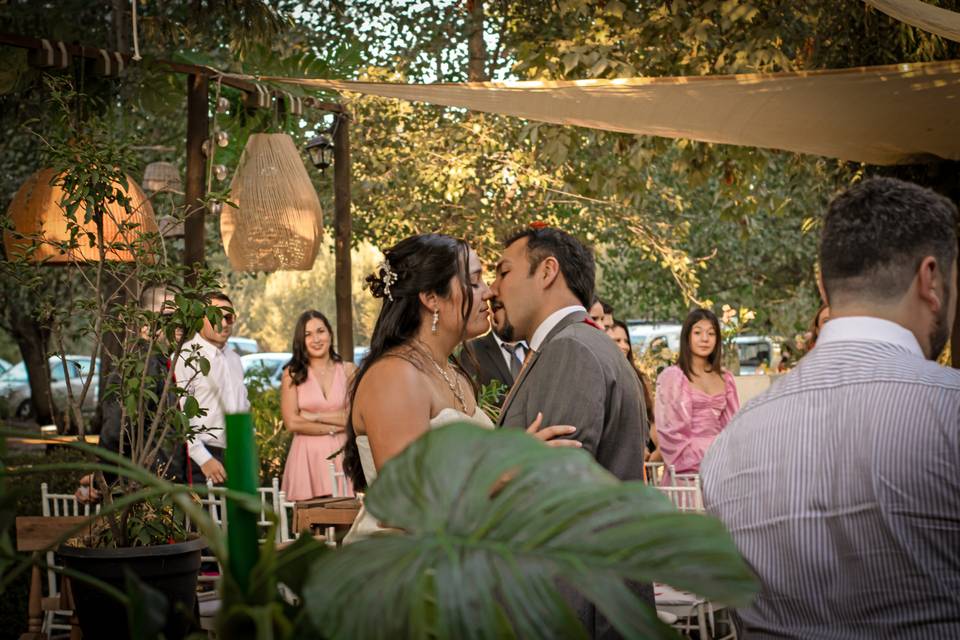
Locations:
column 120, row 25
column 477, row 65
column 34, row 341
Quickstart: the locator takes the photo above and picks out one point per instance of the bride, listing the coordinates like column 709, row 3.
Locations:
column 434, row 298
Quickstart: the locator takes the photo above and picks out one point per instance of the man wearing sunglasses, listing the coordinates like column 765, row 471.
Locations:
column 219, row 392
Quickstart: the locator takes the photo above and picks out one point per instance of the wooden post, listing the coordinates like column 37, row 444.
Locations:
column 198, row 129
column 343, row 229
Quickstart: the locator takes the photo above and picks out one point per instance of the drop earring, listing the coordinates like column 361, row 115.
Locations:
column 436, row 321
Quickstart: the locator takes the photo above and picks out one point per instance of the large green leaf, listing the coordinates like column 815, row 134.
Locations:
column 479, row 558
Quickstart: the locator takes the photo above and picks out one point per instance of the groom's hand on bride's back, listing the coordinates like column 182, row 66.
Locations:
column 553, row 436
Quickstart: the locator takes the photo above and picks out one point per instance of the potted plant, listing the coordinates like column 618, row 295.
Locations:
column 133, row 308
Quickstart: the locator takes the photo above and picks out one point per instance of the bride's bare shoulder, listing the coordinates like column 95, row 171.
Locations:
column 398, row 369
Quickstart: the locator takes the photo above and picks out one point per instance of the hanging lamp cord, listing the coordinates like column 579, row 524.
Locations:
column 136, row 40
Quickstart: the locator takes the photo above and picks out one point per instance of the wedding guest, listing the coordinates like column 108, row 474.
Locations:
column 220, row 391
column 816, row 325
column 602, row 314
column 118, row 427
column 621, row 336
column 313, row 403
column 496, row 355
column 840, row 484
column 696, row 398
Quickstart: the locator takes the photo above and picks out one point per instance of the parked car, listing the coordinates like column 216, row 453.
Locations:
column 264, row 363
column 645, row 336
column 757, row 352
column 4, row 365
column 359, row 353
column 15, row 385
column 243, row 346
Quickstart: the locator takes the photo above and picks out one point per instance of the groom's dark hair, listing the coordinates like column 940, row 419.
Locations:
column 576, row 261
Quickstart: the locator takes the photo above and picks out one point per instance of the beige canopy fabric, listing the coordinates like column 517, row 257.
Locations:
column 880, row 115
column 936, row 20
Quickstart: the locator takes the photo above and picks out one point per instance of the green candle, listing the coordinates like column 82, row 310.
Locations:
column 241, row 466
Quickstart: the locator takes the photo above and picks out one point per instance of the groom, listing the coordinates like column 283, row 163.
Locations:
column 574, row 373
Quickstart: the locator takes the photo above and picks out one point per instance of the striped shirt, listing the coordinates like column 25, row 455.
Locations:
column 841, row 488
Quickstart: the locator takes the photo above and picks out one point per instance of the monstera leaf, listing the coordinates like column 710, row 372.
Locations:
column 491, row 522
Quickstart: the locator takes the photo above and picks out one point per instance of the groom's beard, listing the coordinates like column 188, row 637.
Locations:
column 505, row 332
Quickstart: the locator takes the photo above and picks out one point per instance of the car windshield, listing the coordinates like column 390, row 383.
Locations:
column 16, row 373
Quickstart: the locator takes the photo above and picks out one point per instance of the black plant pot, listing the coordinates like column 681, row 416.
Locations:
column 169, row 568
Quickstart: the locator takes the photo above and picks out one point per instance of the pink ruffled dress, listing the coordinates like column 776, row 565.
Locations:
column 307, row 471
column 689, row 419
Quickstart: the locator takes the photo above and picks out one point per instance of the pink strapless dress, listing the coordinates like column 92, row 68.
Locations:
column 307, row 471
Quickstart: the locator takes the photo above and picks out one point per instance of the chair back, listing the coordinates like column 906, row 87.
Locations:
column 653, row 473
column 286, row 517
column 269, row 503
column 687, row 499
column 338, row 480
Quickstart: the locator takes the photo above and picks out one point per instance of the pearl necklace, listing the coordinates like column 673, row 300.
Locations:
column 455, row 388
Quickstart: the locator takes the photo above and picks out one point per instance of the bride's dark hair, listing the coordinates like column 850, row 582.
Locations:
column 424, row 263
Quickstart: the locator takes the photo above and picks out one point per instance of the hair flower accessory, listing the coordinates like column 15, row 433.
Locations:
column 538, row 225
column 388, row 277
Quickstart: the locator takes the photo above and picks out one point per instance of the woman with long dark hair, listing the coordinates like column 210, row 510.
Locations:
column 696, row 398
column 434, row 298
column 621, row 335
column 313, row 403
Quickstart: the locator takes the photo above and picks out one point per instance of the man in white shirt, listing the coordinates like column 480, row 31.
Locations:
column 497, row 355
column 841, row 484
column 219, row 392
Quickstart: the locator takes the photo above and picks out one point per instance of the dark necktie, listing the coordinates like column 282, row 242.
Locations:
column 515, row 363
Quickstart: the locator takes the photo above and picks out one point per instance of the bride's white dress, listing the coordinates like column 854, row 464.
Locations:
column 366, row 524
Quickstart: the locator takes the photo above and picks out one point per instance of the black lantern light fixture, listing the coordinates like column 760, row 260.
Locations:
column 321, row 150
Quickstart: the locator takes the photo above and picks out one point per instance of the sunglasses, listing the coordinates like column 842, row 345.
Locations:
column 229, row 318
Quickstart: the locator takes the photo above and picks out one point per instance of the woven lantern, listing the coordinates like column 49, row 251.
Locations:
column 38, row 217
column 162, row 176
column 277, row 222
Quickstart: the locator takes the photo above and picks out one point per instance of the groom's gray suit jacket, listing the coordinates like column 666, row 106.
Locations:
column 580, row 377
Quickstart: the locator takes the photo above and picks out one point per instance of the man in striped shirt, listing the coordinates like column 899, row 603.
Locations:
column 841, row 484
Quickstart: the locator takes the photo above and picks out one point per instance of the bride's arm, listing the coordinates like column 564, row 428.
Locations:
column 393, row 403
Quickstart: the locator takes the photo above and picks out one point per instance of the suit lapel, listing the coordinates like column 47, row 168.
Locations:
column 494, row 353
column 516, row 385
column 573, row 318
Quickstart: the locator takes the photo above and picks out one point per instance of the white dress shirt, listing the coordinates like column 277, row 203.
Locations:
column 220, row 392
column 552, row 321
column 521, row 350
column 858, row 328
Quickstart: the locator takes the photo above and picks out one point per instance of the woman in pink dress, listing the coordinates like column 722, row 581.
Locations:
column 695, row 398
column 313, row 402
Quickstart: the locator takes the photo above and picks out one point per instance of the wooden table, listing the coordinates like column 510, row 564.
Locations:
column 321, row 513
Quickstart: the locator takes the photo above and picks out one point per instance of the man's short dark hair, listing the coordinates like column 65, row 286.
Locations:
column 876, row 233
column 576, row 261
column 221, row 296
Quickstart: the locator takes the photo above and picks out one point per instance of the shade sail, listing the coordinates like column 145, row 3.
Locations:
column 880, row 115
column 937, row 20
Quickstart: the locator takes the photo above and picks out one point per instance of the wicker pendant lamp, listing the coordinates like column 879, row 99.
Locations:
column 38, row 218
column 277, row 222
column 162, row 176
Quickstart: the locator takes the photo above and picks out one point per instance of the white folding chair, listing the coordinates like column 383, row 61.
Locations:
column 693, row 612
column 56, row 505
column 653, row 472
column 687, row 499
column 216, row 505
column 286, row 516
column 269, row 501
